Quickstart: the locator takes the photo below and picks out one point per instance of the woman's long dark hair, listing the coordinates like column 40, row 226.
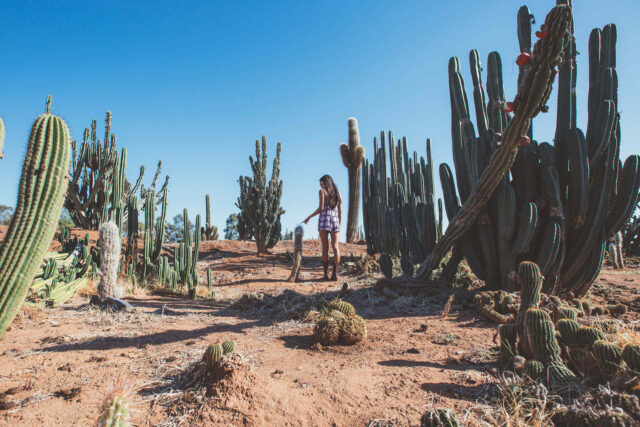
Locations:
column 332, row 190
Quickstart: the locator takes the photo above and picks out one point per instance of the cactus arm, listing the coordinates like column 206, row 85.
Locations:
column 532, row 95
column 625, row 202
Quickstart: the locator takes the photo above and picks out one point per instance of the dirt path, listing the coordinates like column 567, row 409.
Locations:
column 58, row 363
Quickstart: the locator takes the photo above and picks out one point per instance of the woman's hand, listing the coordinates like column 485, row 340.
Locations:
column 306, row 221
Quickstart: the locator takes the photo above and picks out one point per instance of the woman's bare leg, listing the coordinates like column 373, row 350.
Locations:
column 335, row 238
column 324, row 238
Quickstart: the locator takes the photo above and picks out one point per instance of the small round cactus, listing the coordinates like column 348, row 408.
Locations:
column 213, row 354
column 617, row 309
column 564, row 313
column 229, row 346
column 439, row 418
column 343, row 307
column 354, row 330
column 558, row 374
column 569, row 332
column 609, row 356
column 533, row 369
column 631, row 356
column 327, row 331
column 589, row 335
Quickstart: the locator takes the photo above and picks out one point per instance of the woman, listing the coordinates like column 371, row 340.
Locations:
column 330, row 210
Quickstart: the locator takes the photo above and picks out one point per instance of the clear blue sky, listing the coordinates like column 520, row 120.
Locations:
column 195, row 83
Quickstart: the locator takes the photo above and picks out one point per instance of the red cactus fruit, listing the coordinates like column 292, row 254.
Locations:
column 541, row 34
column 524, row 140
column 523, row 59
column 508, row 107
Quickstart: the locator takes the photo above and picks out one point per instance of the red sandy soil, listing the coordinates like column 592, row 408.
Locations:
column 58, row 363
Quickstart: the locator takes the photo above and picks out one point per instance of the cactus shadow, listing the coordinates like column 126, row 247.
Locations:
column 455, row 391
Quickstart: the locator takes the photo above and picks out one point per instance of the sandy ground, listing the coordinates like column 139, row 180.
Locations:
column 58, row 363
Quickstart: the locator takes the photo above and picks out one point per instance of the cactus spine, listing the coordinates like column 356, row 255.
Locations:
column 109, row 260
column 40, row 197
column 259, row 200
column 352, row 155
column 115, row 412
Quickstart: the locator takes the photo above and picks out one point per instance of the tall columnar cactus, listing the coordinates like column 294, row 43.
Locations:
column 531, row 281
column 109, row 242
column 398, row 202
column 186, row 256
column 209, row 232
column 259, row 200
column 99, row 190
column 43, row 184
column 297, row 254
column 352, row 155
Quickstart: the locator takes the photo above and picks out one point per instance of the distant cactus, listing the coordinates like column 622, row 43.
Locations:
column 353, row 330
column 327, row 331
column 617, row 308
column 213, row 355
column 609, row 356
column 439, row 418
column 352, row 155
column 631, row 356
column 43, row 185
column 533, row 369
column 229, row 346
column 343, row 307
column 209, row 231
column 109, row 242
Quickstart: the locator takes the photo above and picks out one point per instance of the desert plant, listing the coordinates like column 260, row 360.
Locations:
column 631, row 233
column 352, row 155
column 439, row 418
column 231, row 227
column 115, row 408
column 259, row 200
column 41, row 193
column 297, row 254
column 99, row 190
column 109, row 242
column 209, row 232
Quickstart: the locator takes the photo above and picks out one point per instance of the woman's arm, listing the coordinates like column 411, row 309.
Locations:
column 320, row 207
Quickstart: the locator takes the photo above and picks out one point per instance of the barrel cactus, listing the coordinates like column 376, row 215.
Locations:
column 534, row 369
column 631, row 356
column 343, row 307
column 439, row 418
column 609, row 356
column 229, row 346
column 213, row 355
column 41, row 192
column 353, row 330
column 327, row 331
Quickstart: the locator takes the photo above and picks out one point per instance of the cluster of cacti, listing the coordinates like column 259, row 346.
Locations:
column 99, row 190
column 109, row 243
column 615, row 249
column 340, row 324
column 115, row 408
column 41, row 191
column 557, row 351
column 208, row 232
column 297, row 254
column 497, row 306
column 259, row 201
column 352, row 155
column 631, row 234
column 63, row 273
column 399, row 210
column 439, row 418
column 559, row 204
column 215, row 352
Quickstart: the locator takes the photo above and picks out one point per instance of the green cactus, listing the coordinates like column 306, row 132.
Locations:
column 531, row 281
column 609, row 356
column 564, row 313
column 40, row 196
column 353, row 330
column 213, row 355
column 343, row 307
column 327, row 331
column 229, row 346
column 508, row 336
column 386, row 265
column 208, row 232
column 557, row 374
column 115, row 409
column 589, row 335
column 210, row 282
column 569, row 332
column 352, row 155
column 439, row 418
column 540, row 333
column 631, row 356
column 259, row 200
column 617, row 309
column 534, row 369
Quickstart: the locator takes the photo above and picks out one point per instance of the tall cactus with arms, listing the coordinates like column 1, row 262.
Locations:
column 45, row 176
column 352, row 156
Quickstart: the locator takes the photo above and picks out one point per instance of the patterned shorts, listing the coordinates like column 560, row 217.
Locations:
column 328, row 221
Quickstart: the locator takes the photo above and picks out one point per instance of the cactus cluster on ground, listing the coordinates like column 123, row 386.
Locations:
column 215, row 352
column 43, row 184
column 99, row 190
column 352, row 155
column 341, row 324
column 398, row 204
column 556, row 344
column 259, row 200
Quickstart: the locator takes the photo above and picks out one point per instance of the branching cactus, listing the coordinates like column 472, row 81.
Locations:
column 45, row 176
column 297, row 254
column 109, row 260
column 352, row 155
